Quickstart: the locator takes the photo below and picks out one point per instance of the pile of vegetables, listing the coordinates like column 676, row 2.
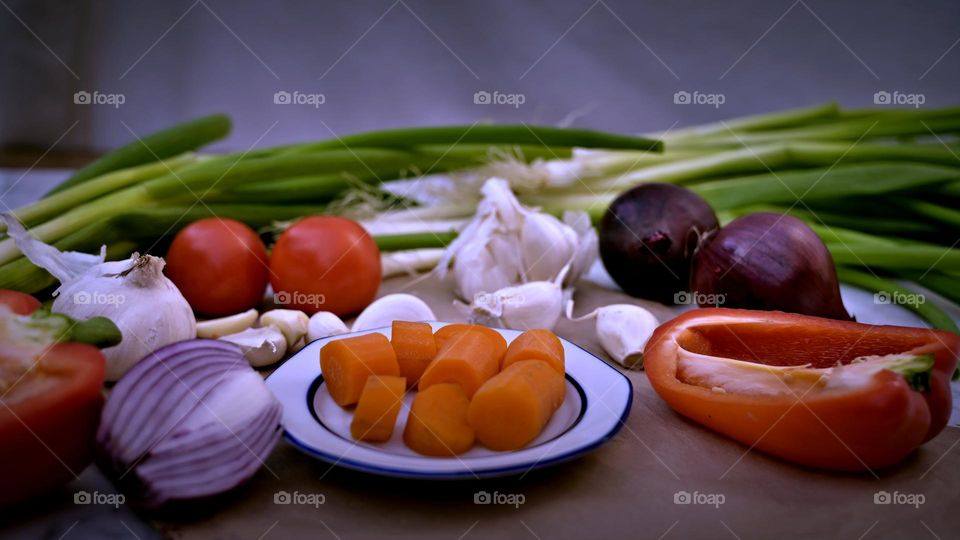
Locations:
column 767, row 212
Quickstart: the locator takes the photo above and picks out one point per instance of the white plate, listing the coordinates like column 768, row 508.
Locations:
column 597, row 404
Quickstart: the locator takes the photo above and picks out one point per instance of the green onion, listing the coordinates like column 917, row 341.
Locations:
column 156, row 146
column 926, row 310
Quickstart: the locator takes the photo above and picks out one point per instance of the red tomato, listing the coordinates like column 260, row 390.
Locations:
column 18, row 302
column 220, row 266
column 325, row 263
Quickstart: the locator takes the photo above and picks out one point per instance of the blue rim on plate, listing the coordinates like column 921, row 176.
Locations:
column 300, row 409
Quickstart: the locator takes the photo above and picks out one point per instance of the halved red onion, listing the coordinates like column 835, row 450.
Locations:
column 191, row 420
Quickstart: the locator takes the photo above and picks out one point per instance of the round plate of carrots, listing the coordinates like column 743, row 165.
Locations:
column 448, row 401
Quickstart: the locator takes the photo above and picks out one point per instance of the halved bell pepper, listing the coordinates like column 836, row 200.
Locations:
column 824, row 393
column 51, row 381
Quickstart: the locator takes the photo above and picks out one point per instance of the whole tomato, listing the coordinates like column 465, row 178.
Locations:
column 325, row 263
column 220, row 266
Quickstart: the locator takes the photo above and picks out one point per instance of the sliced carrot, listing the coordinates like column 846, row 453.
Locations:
column 511, row 409
column 346, row 364
column 536, row 345
column 378, row 408
column 468, row 359
column 437, row 424
column 415, row 347
column 444, row 334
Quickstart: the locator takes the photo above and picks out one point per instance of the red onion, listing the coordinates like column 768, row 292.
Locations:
column 648, row 236
column 190, row 420
column 770, row 262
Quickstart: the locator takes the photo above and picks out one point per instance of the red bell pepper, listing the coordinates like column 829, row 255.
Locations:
column 820, row 392
column 50, row 396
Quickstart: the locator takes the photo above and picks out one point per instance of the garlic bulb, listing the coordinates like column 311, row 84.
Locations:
column 393, row 307
column 325, row 324
column 509, row 244
column 146, row 306
column 537, row 304
column 623, row 331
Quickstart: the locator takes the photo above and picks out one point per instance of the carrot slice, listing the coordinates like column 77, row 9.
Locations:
column 437, row 424
column 511, row 409
column 468, row 359
column 536, row 345
column 346, row 364
column 378, row 408
column 415, row 347
column 444, row 334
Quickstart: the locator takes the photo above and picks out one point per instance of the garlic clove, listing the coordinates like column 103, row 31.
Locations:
column 622, row 330
column 546, row 244
column 325, row 324
column 521, row 307
column 215, row 328
column 292, row 323
column 393, row 307
column 261, row 346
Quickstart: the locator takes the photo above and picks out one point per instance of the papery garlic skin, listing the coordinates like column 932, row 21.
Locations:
column 508, row 244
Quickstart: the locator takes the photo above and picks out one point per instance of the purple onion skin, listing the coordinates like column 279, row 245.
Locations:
column 770, row 262
column 648, row 237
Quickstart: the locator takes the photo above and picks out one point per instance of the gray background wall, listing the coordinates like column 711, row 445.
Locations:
column 607, row 64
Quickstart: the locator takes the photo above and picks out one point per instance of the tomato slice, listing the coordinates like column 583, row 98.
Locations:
column 18, row 302
column 49, row 411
